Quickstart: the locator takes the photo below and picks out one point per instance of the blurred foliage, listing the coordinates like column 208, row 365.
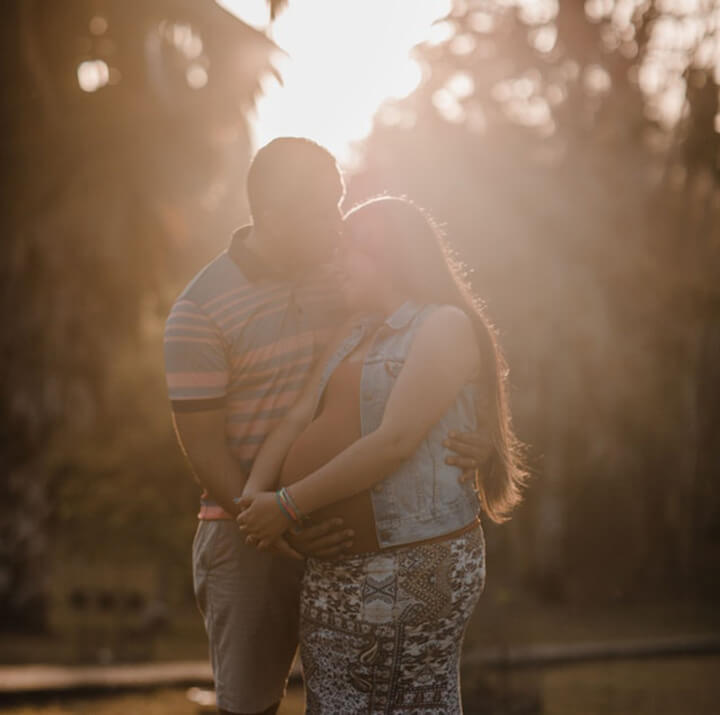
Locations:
column 122, row 487
column 125, row 149
column 573, row 150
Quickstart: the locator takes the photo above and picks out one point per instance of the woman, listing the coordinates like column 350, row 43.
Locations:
column 381, row 628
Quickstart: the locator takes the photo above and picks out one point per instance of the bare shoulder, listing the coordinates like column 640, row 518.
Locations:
column 449, row 331
column 449, row 322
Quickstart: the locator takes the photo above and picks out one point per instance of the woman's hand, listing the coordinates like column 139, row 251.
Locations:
column 262, row 518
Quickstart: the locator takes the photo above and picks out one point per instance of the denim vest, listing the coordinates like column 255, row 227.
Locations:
column 424, row 497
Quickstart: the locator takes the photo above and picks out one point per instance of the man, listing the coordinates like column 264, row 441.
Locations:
column 240, row 341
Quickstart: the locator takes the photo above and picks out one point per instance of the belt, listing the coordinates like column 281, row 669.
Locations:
column 474, row 524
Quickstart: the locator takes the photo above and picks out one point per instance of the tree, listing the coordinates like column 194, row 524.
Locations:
column 571, row 149
column 125, row 141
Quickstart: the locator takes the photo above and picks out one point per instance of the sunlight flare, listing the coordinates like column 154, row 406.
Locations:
column 344, row 59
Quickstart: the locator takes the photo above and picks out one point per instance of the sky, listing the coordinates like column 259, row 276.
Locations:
column 344, row 59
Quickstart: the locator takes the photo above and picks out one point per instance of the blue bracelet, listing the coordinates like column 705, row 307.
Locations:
column 293, row 505
column 283, row 508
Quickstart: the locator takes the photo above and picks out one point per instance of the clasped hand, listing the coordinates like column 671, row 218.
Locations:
column 261, row 519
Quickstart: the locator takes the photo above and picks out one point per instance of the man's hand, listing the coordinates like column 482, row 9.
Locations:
column 279, row 546
column 472, row 451
column 326, row 540
column 261, row 518
column 202, row 438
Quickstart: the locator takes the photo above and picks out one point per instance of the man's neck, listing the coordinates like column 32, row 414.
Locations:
column 263, row 247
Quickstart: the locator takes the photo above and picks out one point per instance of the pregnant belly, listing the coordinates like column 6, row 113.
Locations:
column 317, row 445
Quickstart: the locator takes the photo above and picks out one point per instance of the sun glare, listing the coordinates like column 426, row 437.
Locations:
column 344, row 59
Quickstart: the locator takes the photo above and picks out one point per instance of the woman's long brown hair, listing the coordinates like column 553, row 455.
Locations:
column 409, row 246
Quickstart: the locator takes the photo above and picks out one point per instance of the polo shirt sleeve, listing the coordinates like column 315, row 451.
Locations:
column 196, row 359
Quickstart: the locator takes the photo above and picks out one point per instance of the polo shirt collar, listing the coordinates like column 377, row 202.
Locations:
column 253, row 266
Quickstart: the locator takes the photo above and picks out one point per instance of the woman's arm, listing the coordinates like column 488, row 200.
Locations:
column 268, row 463
column 428, row 384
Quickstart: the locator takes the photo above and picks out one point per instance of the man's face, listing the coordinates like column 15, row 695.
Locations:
column 307, row 228
column 318, row 225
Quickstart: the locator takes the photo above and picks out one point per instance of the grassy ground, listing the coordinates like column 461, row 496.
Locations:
column 519, row 623
column 658, row 687
column 162, row 702
column 678, row 686
column 663, row 686
column 687, row 686
column 494, row 623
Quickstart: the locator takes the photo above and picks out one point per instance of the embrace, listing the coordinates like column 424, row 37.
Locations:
column 340, row 396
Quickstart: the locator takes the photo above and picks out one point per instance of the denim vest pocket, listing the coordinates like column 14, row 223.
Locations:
column 404, row 492
column 394, row 367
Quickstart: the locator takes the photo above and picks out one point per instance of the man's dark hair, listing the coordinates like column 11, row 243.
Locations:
column 287, row 167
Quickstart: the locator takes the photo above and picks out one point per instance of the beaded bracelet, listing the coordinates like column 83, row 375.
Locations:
column 289, row 506
column 284, row 508
column 291, row 502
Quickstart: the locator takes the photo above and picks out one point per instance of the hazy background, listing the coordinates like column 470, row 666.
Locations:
column 572, row 150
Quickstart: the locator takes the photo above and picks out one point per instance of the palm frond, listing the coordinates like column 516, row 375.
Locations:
column 276, row 7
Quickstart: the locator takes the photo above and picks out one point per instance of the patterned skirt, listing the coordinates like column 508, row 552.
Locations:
column 382, row 633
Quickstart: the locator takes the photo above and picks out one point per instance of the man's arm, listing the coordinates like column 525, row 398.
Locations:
column 197, row 371
column 202, row 439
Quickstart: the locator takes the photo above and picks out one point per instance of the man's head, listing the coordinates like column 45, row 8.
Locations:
column 295, row 189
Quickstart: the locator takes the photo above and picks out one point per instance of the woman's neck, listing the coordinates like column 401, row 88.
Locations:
column 262, row 244
column 390, row 300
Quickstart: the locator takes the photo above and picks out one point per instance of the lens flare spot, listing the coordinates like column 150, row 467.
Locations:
column 98, row 25
column 196, row 76
column 447, row 106
column 461, row 84
column 92, row 75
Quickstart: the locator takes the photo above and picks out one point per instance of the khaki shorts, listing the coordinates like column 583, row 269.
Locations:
column 249, row 601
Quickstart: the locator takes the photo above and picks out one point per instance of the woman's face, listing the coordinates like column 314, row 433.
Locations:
column 360, row 277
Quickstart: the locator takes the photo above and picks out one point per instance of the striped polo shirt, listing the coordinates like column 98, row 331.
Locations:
column 241, row 338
